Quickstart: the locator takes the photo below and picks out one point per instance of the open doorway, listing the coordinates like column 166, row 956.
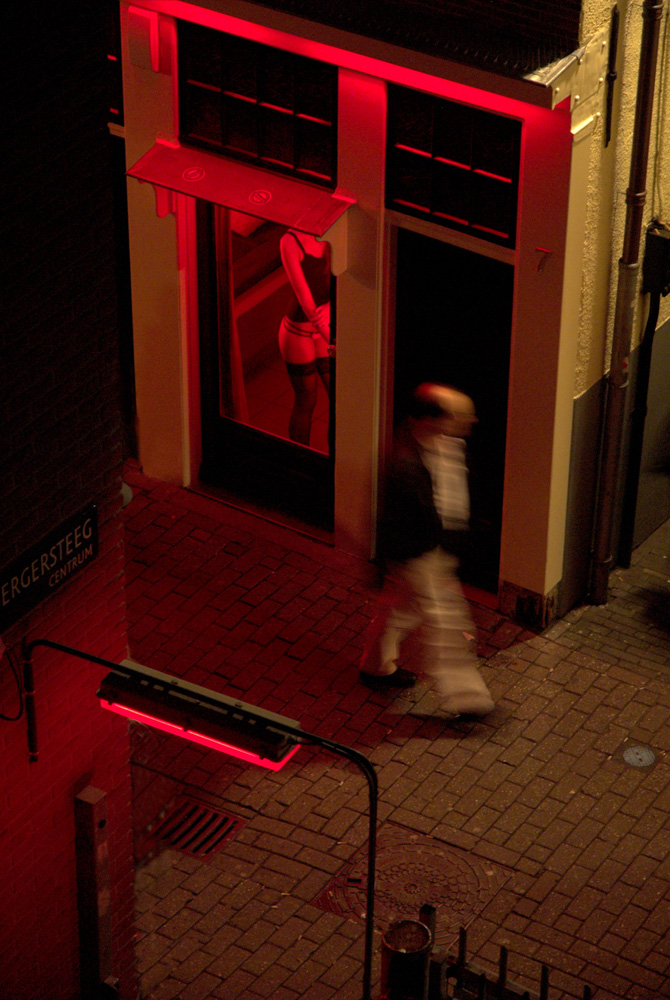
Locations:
column 453, row 325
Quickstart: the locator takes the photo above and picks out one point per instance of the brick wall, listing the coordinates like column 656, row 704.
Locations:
column 62, row 450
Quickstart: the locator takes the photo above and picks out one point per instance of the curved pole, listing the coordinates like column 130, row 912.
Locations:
column 299, row 734
column 29, row 684
column 368, row 770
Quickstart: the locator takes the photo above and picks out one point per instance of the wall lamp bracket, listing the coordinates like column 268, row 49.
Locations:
column 29, row 683
column 214, row 720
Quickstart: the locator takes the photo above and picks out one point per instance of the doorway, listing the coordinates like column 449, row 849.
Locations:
column 453, row 325
column 250, row 394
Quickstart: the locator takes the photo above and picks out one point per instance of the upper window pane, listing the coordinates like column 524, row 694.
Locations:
column 239, row 133
column 201, row 116
column 239, row 65
column 258, row 103
column 275, row 80
column 277, row 137
column 454, row 133
column 315, row 90
column 454, row 164
column 496, row 148
column 200, row 55
column 311, row 151
column 411, row 120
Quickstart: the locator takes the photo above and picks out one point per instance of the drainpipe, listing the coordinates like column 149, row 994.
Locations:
column 629, row 265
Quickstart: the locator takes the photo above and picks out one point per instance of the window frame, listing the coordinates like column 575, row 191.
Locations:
column 269, row 135
column 428, row 155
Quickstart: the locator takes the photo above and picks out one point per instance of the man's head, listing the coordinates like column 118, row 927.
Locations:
column 441, row 409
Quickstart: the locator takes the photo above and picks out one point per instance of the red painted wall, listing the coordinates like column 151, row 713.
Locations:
column 62, row 450
column 79, row 745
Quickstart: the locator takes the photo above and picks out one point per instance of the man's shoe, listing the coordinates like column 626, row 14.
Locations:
column 398, row 679
column 469, row 706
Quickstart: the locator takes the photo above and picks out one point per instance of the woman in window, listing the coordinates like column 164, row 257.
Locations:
column 304, row 333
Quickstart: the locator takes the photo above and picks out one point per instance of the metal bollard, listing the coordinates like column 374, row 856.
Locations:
column 405, row 957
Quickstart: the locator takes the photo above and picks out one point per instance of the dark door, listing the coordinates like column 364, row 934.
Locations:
column 453, row 325
column 249, row 393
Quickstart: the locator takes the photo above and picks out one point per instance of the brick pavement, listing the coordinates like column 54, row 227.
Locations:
column 539, row 793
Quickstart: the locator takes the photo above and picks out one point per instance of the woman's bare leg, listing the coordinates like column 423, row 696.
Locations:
column 304, row 382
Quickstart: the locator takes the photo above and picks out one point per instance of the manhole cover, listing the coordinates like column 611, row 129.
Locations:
column 639, row 756
column 636, row 754
column 194, row 828
column 412, row 870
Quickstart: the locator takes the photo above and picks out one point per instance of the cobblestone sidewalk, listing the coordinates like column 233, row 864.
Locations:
column 543, row 828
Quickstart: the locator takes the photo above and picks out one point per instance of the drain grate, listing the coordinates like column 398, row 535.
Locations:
column 195, row 828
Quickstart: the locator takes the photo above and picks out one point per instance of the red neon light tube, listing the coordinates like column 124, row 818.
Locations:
column 496, row 177
column 195, row 737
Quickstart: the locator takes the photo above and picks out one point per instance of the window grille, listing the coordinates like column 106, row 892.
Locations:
column 257, row 103
column 454, row 164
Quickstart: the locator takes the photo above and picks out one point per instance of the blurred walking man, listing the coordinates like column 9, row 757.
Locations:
column 424, row 527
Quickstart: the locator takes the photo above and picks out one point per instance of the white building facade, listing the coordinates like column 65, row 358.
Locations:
column 474, row 220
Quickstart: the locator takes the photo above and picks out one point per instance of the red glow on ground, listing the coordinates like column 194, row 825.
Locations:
column 195, row 737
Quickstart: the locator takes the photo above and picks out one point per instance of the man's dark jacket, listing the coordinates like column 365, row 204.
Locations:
column 410, row 524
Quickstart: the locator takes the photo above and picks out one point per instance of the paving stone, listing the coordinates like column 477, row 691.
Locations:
column 271, row 981
column 180, row 924
column 167, row 989
column 151, row 949
column 303, row 978
column 251, row 608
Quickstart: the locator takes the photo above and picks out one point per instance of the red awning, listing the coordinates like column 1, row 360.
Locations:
column 273, row 197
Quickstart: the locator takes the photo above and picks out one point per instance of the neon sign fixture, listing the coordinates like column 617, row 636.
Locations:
column 195, row 737
column 261, row 737
column 198, row 714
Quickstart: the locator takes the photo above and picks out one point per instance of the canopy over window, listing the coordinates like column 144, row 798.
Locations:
column 273, row 197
